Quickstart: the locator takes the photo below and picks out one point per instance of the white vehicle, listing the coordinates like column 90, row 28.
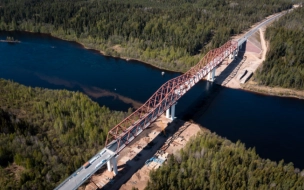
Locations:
column 101, row 162
column 93, row 159
column 102, row 152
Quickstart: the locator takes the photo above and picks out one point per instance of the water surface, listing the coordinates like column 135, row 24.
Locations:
column 273, row 125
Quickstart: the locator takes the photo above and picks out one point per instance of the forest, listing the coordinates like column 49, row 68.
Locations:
column 45, row 135
column 284, row 64
column 212, row 162
column 171, row 34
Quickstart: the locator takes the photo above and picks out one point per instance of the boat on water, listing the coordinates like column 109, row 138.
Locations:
column 10, row 40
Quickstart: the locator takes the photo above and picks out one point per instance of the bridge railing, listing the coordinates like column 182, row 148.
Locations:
column 68, row 179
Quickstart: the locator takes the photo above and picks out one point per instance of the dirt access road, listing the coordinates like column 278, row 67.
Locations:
column 251, row 56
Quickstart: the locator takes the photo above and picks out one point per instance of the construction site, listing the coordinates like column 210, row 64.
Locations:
column 148, row 152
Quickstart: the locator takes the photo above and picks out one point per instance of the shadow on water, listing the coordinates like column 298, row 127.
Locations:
column 232, row 66
column 198, row 107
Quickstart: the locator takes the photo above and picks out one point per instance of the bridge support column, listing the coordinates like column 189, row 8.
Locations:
column 168, row 113
column 211, row 75
column 109, row 165
column 232, row 55
column 173, row 111
column 114, row 163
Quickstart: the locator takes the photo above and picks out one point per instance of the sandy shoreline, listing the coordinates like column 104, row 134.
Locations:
column 273, row 91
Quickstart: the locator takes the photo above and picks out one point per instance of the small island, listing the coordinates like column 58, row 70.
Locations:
column 10, row 40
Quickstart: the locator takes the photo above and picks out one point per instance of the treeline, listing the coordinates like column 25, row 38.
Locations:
column 45, row 135
column 172, row 34
column 284, row 65
column 211, row 162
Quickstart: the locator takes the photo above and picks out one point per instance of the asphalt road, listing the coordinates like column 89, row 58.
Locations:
column 82, row 174
column 253, row 30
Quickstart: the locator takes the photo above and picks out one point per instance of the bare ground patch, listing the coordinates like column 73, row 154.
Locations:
column 15, row 170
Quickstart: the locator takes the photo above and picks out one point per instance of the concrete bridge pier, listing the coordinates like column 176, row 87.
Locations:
column 211, row 75
column 173, row 111
column 168, row 113
column 232, row 55
column 112, row 163
column 109, row 165
column 241, row 45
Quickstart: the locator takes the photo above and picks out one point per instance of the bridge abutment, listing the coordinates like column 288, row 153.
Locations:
column 241, row 44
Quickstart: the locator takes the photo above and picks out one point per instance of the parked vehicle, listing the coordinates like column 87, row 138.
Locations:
column 102, row 152
column 93, row 159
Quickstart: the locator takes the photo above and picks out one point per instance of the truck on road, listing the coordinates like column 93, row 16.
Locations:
column 86, row 165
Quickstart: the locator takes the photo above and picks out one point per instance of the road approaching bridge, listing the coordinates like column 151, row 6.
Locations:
column 161, row 101
column 83, row 173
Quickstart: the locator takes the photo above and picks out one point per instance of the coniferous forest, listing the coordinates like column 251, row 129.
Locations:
column 173, row 34
column 284, row 64
column 211, row 162
column 45, row 135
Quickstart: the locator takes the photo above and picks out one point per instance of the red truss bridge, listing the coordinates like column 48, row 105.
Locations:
column 165, row 97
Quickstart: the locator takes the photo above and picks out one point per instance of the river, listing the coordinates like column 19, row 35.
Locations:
column 271, row 124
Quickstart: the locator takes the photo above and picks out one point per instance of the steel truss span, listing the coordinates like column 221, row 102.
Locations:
column 167, row 95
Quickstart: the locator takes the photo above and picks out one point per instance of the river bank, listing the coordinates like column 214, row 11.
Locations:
column 250, row 86
column 116, row 50
column 254, row 60
column 253, row 55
